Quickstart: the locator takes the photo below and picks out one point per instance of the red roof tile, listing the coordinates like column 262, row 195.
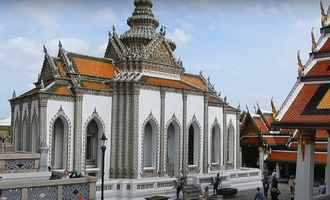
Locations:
column 320, row 69
column 291, row 156
column 295, row 114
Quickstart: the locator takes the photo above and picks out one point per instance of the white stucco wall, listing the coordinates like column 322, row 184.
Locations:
column 102, row 105
column 149, row 102
column 53, row 107
column 195, row 107
column 173, row 106
column 215, row 114
column 232, row 118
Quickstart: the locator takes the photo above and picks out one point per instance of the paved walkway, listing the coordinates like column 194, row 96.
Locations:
column 249, row 194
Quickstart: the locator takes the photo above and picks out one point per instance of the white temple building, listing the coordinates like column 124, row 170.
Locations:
column 160, row 121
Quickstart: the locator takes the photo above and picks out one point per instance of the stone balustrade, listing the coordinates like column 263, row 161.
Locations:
column 322, row 197
column 19, row 162
column 6, row 148
column 27, row 189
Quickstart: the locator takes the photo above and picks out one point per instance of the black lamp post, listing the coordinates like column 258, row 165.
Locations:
column 103, row 148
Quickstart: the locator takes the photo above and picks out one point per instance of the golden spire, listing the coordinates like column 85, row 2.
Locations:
column 314, row 44
column 301, row 67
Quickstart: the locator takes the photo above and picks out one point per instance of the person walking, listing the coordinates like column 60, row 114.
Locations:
column 265, row 184
column 259, row 195
column 291, row 184
column 216, row 184
column 206, row 193
column 322, row 187
column 274, row 193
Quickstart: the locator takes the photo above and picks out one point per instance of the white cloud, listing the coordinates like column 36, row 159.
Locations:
column 180, row 36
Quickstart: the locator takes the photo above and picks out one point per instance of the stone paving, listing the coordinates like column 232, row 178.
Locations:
column 249, row 194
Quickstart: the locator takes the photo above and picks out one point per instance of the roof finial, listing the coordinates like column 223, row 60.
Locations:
column 14, row 94
column 60, row 44
column 274, row 110
column 301, row 67
column 314, row 44
column 247, row 108
column 113, row 29
column 323, row 14
column 45, row 49
column 109, row 34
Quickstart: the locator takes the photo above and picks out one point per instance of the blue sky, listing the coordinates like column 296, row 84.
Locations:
column 247, row 47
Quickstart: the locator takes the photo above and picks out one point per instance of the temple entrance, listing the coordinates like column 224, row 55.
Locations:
column 92, row 144
column 58, row 145
column 193, row 145
column 172, row 149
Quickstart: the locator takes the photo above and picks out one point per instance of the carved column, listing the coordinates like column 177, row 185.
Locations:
column 120, row 128
column 162, row 162
column 261, row 160
column 135, row 120
column 206, row 135
column 327, row 173
column 43, row 163
column 113, row 147
column 184, row 134
column 305, row 165
column 127, row 129
column 238, row 144
column 77, row 135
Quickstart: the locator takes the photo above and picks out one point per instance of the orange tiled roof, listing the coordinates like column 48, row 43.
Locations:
column 159, row 82
column 60, row 90
column 291, row 156
column 319, row 146
column 320, row 69
column 321, row 134
column 94, row 67
column 251, row 140
column 276, row 139
column 295, row 113
column 194, row 80
column 28, row 93
column 260, row 124
column 326, row 46
column 214, row 99
column 94, row 85
column 61, row 68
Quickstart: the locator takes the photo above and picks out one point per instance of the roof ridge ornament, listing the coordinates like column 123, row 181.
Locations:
column 314, row 44
column 301, row 67
column 14, row 94
column 323, row 14
column 45, row 49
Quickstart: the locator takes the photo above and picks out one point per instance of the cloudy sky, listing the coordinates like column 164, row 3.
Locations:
column 247, row 47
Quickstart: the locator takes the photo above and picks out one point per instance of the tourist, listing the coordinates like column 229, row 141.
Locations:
column 216, row 184
column 206, row 193
column 259, row 195
column 265, row 184
column 291, row 184
column 274, row 193
column 179, row 186
column 322, row 187
column 274, row 180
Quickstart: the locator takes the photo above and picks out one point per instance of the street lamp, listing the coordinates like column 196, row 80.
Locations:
column 103, row 148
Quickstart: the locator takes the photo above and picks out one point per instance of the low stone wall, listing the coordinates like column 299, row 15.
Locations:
column 26, row 189
column 6, row 148
column 322, row 197
column 19, row 162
